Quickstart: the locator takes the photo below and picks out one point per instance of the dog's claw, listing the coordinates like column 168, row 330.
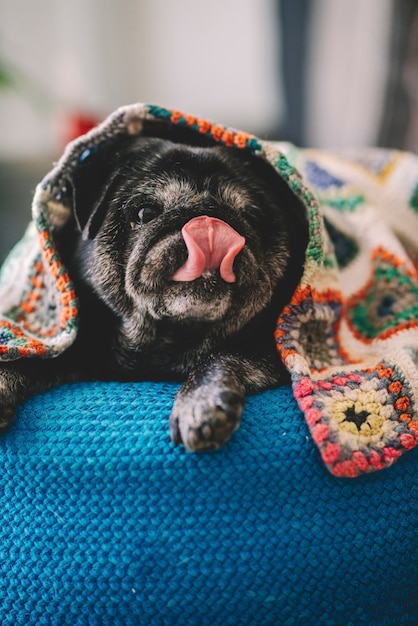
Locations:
column 175, row 432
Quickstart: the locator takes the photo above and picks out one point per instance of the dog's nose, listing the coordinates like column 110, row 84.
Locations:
column 211, row 244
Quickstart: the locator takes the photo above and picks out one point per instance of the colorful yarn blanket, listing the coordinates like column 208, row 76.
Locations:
column 349, row 336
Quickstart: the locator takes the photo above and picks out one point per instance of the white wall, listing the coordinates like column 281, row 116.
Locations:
column 217, row 58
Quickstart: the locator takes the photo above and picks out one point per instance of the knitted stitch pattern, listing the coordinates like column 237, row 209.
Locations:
column 104, row 523
column 349, row 336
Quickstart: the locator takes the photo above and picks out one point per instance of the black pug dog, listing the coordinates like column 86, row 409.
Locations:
column 182, row 258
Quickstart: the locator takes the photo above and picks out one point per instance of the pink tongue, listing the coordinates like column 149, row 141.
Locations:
column 211, row 243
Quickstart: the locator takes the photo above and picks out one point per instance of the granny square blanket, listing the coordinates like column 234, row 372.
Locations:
column 349, row 336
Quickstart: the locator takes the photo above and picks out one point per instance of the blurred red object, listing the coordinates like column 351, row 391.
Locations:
column 76, row 124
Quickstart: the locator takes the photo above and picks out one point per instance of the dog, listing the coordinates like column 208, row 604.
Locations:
column 182, row 257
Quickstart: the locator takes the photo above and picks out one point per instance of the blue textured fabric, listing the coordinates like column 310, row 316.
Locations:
column 105, row 523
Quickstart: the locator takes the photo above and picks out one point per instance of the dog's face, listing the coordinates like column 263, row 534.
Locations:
column 187, row 233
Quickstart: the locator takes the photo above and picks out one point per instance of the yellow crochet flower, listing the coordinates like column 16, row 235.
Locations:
column 360, row 415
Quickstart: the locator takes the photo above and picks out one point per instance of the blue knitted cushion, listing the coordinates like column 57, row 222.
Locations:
column 105, row 523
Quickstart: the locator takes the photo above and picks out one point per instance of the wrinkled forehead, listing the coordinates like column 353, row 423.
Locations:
column 184, row 162
column 173, row 192
column 183, row 174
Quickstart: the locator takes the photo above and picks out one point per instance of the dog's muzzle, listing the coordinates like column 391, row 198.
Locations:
column 211, row 244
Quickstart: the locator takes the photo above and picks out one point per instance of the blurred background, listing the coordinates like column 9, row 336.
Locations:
column 323, row 73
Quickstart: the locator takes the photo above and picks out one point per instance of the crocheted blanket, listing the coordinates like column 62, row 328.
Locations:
column 349, row 336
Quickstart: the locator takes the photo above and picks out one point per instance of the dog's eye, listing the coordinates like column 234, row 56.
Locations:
column 146, row 214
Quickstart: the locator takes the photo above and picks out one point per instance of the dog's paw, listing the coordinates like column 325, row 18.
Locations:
column 205, row 417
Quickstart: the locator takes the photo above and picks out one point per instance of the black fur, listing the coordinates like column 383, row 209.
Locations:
column 122, row 247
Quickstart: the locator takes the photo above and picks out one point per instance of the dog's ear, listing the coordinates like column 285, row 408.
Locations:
column 90, row 181
column 94, row 177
